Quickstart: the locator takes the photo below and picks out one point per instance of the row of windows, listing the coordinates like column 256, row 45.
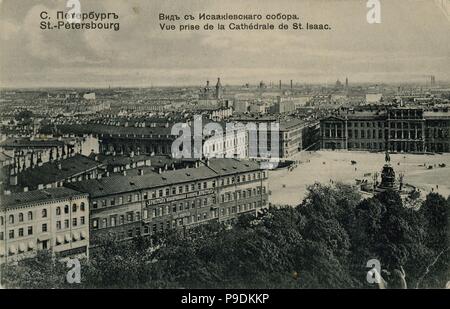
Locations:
column 406, row 134
column 405, row 125
column 112, row 220
column 366, row 124
column 75, row 223
column 231, row 196
column 118, row 219
column 164, row 210
column 20, row 216
column 74, row 208
column 44, row 214
column 21, row 232
column 365, row 134
column 161, row 226
column 374, row 146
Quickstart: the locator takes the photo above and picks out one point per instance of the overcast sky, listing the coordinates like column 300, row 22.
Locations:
column 412, row 41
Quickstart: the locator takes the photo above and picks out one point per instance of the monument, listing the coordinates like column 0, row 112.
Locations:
column 387, row 176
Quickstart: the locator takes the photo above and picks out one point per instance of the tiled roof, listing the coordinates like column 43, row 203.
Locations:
column 49, row 172
column 47, row 195
column 120, row 184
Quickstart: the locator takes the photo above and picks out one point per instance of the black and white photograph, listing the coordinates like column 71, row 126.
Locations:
column 236, row 147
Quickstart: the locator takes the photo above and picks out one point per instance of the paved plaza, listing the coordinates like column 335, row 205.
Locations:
column 289, row 187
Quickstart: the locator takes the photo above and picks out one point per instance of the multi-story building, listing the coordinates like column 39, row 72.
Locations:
column 149, row 204
column 70, row 168
column 232, row 142
column 395, row 129
column 53, row 219
column 437, row 131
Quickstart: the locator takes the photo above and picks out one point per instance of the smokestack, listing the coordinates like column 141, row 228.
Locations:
column 280, row 85
column 292, row 85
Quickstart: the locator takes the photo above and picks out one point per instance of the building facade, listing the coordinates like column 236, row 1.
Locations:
column 52, row 219
column 125, row 207
column 396, row 129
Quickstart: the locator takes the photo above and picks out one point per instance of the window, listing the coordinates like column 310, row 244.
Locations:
column 74, row 208
column 66, row 224
column 58, row 225
column 30, row 215
column 44, row 213
column 11, row 219
column 122, row 219
column 95, row 223
column 82, row 206
column 11, row 234
column 94, row 205
column 21, row 232
column 44, row 227
column 130, row 233
column 113, row 221
column 105, row 222
column 138, row 216
column 30, row 230
column 58, row 211
column 1, row 236
column 74, row 222
column 66, row 209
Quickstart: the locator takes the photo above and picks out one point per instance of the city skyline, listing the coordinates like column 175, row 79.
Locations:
column 399, row 50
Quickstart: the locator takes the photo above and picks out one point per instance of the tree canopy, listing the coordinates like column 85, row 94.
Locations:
column 325, row 242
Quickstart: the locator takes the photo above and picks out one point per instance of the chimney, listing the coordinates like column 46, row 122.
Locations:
column 140, row 172
column 25, row 189
column 40, row 186
column 107, row 174
column 159, row 170
column 99, row 176
column 124, row 173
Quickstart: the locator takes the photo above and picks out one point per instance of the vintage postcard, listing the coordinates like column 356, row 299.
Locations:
column 197, row 145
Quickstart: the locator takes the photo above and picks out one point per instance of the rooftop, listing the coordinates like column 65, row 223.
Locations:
column 120, row 184
column 25, row 198
column 50, row 172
